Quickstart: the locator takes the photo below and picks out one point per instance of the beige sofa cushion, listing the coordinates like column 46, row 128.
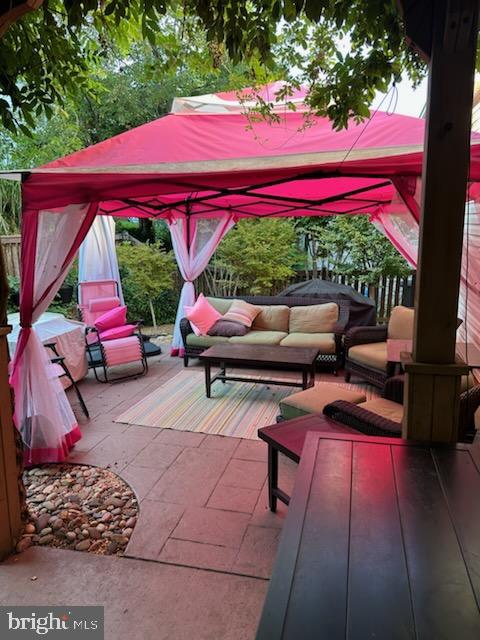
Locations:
column 204, row 341
column 222, row 305
column 324, row 342
column 259, row 337
column 400, row 325
column 314, row 399
column 272, row 318
column 315, row 318
column 385, row 408
column 372, row 355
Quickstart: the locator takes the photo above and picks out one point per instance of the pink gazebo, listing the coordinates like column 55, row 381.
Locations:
column 201, row 168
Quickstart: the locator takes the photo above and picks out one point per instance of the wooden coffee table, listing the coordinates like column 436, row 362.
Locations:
column 259, row 357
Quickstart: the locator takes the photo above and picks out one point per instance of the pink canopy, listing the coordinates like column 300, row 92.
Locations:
column 206, row 164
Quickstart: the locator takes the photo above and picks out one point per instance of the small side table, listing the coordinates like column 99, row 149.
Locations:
column 289, row 437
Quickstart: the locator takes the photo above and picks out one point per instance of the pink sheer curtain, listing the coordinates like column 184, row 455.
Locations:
column 398, row 223
column 50, row 241
column 194, row 243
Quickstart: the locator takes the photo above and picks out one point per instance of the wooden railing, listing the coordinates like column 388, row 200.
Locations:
column 11, row 254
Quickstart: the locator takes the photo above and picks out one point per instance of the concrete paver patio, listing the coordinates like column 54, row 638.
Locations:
column 199, row 560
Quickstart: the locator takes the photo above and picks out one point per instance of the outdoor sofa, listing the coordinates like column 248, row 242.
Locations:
column 285, row 321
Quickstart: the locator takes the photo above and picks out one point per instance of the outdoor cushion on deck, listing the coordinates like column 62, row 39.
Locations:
column 272, row 318
column 373, row 355
column 315, row 318
column 385, row 408
column 400, row 324
column 259, row 337
column 314, row 399
column 325, row 342
column 205, row 341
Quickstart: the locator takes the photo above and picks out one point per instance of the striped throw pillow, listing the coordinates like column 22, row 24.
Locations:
column 242, row 312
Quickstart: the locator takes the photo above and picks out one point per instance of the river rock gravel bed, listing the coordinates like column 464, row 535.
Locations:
column 78, row 507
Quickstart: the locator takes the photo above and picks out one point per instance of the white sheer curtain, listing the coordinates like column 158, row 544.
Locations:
column 50, row 241
column 194, row 242
column 97, row 257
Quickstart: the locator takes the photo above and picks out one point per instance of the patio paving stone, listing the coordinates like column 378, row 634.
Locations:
column 191, row 479
column 141, row 479
column 142, row 600
column 247, row 474
column 257, row 553
column 157, row 455
column 263, row 517
column 222, row 443
column 212, row 526
column 251, row 450
column 90, row 439
column 233, row 499
column 196, row 554
column 156, row 521
column 181, row 438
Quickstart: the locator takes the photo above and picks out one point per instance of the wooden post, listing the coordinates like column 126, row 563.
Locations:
column 11, row 488
column 433, row 378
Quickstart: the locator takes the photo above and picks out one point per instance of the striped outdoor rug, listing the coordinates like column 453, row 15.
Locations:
column 235, row 409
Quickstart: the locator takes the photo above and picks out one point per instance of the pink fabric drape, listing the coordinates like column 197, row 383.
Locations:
column 194, row 243
column 50, row 241
column 399, row 223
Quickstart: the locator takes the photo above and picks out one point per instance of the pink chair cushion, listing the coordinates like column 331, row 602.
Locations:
column 202, row 315
column 118, row 332
column 103, row 304
column 114, row 318
column 122, row 350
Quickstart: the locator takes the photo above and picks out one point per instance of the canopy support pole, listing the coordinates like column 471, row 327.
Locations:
column 432, row 391
column 11, row 486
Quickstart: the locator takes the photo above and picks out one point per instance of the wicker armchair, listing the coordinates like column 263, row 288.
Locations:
column 371, row 423
column 371, row 364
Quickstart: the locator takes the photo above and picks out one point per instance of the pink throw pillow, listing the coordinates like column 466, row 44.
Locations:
column 118, row 332
column 202, row 316
column 114, row 318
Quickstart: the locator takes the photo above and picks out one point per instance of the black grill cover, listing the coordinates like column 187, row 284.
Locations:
column 362, row 309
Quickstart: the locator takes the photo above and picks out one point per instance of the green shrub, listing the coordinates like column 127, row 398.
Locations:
column 147, row 273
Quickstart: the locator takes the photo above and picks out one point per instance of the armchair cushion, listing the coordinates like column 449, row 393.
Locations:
column 370, row 355
column 313, row 400
column 315, row 318
column 400, row 325
column 204, row 341
column 325, row 342
column 384, row 408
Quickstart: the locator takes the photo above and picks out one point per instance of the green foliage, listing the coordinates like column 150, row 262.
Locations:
column 351, row 245
column 259, row 253
column 147, row 277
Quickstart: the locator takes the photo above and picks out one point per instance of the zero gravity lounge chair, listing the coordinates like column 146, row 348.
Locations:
column 111, row 341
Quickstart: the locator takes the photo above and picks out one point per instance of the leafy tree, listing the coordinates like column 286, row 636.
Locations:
column 146, row 272
column 256, row 254
column 351, row 245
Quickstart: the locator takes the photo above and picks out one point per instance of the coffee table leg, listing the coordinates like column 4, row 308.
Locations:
column 272, row 477
column 222, row 370
column 207, row 380
column 305, row 384
column 312, row 375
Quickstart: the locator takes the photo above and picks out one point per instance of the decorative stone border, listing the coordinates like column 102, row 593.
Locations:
column 78, row 507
